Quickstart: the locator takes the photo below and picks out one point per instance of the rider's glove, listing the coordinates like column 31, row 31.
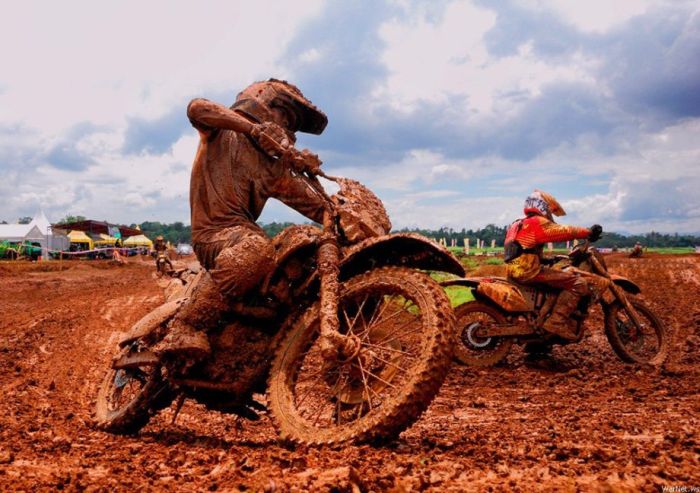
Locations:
column 302, row 161
column 271, row 138
column 596, row 232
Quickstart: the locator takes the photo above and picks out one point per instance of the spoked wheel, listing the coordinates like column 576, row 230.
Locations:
column 129, row 397
column 646, row 346
column 399, row 322
column 472, row 349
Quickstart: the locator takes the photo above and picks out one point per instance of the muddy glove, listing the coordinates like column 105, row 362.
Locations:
column 301, row 161
column 271, row 138
column 596, row 233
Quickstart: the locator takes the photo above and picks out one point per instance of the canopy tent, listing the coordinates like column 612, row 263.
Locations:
column 38, row 231
column 80, row 238
column 94, row 228
column 138, row 240
column 104, row 240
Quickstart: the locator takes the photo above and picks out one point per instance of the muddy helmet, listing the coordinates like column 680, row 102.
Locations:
column 258, row 99
column 543, row 204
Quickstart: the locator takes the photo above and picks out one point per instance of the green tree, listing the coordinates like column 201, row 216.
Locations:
column 72, row 219
column 24, row 220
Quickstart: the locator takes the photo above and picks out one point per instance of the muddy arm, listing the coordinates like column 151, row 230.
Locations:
column 206, row 116
column 294, row 192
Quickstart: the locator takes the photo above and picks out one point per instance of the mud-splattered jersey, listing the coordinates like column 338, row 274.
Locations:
column 534, row 231
column 232, row 180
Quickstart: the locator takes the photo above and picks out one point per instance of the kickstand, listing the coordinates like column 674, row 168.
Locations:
column 178, row 406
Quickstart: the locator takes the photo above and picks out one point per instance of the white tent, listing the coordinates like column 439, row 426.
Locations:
column 37, row 231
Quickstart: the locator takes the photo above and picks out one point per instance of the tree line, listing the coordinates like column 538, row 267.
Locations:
column 178, row 232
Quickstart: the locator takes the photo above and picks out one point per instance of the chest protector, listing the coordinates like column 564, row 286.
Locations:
column 512, row 248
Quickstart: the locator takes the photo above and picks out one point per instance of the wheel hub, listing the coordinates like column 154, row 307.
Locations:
column 472, row 339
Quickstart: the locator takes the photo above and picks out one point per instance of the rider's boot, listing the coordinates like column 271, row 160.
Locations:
column 187, row 332
column 560, row 322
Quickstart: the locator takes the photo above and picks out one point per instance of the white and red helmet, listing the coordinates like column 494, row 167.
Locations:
column 543, row 204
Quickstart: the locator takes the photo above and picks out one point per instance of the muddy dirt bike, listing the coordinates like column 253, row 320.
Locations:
column 162, row 264
column 505, row 312
column 349, row 339
column 636, row 252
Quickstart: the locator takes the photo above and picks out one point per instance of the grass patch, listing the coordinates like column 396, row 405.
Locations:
column 456, row 294
column 459, row 295
column 671, row 250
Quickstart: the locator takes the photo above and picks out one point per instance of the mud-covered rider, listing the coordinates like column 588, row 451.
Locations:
column 524, row 246
column 235, row 171
column 161, row 248
column 637, row 250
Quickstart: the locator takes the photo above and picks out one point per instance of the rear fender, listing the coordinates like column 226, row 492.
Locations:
column 401, row 249
column 497, row 290
column 626, row 284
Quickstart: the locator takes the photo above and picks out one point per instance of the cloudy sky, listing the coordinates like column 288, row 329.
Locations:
column 451, row 111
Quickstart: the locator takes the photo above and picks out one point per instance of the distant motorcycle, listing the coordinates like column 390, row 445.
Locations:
column 636, row 252
column 348, row 337
column 162, row 264
column 505, row 312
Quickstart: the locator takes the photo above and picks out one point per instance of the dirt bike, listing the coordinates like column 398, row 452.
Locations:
column 162, row 263
column 505, row 312
column 636, row 252
column 347, row 337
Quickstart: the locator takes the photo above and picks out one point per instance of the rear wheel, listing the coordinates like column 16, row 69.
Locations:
column 129, row 397
column 401, row 321
column 471, row 349
column 646, row 346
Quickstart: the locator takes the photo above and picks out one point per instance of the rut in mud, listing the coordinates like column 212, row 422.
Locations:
column 591, row 422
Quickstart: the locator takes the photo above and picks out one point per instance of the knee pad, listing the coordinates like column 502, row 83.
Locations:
column 240, row 268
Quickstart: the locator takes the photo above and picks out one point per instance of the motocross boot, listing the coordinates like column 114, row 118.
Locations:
column 187, row 332
column 560, row 322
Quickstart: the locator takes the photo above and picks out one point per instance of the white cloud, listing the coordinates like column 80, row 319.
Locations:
column 434, row 61
column 596, row 15
column 66, row 62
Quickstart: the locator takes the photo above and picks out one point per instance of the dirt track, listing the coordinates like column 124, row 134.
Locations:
column 593, row 424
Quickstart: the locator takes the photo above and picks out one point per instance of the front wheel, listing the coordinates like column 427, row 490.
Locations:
column 160, row 269
column 472, row 350
column 401, row 321
column 129, row 397
column 646, row 346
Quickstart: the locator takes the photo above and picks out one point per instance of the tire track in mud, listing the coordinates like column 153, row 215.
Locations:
column 590, row 423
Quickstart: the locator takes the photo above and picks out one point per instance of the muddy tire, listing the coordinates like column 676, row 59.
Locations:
column 648, row 347
column 160, row 269
column 147, row 394
column 470, row 350
column 403, row 323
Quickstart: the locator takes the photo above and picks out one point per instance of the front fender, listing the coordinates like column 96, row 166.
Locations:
column 400, row 249
column 626, row 284
column 151, row 321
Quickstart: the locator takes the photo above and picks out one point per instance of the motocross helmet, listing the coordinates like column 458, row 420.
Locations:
column 543, row 204
column 258, row 99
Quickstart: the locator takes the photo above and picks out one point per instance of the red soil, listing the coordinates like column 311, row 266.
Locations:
column 594, row 423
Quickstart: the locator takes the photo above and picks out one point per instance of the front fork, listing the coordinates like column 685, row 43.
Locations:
column 619, row 294
column 334, row 345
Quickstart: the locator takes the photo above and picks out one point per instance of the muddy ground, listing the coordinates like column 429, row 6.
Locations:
column 591, row 423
